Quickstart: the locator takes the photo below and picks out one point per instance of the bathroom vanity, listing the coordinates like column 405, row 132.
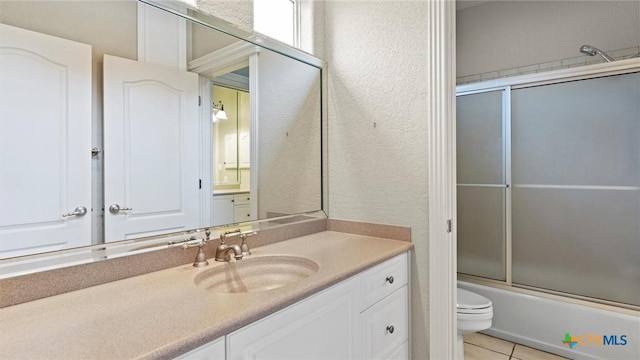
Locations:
column 364, row 316
column 351, row 301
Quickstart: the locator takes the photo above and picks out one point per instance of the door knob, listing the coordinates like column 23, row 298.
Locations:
column 79, row 211
column 115, row 208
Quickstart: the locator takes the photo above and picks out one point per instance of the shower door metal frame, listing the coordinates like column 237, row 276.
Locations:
column 506, row 169
column 525, row 81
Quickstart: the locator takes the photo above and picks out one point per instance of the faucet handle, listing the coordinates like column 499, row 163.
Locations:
column 245, row 235
column 201, row 259
column 189, row 243
column 224, row 235
column 245, row 247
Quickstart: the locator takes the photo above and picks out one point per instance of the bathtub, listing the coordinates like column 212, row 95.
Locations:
column 542, row 323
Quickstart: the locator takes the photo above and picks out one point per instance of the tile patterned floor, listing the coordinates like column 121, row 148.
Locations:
column 483, row 347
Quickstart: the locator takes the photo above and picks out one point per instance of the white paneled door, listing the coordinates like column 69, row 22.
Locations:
column 45, row 143
column 150, row 149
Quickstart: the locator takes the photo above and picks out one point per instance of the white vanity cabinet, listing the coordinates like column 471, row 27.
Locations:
column 323, row 326
column 384, row 320
column 231, row 208
column 222, row 209
column 242, row 207
column 363, row 317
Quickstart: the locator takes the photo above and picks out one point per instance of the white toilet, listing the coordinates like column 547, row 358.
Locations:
column 474, row 314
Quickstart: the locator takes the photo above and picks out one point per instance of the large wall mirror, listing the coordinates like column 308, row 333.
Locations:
column 125, row 120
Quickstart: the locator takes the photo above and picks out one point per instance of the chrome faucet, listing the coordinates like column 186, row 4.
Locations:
column 223, row 250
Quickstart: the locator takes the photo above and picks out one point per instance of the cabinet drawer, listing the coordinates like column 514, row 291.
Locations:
column 242, row 199
column 384, row 279
column 241, row 213
column 385, row 326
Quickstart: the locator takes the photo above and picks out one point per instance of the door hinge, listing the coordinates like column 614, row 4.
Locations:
column 199, row 100
column 449, row 225
column 199, row 183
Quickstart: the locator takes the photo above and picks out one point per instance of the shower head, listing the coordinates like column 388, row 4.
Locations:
column 593, row 51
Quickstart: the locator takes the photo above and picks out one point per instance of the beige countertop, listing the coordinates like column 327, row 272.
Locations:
column 163, row 314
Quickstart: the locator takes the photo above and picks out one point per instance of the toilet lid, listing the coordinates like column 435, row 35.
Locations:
column 471, row 301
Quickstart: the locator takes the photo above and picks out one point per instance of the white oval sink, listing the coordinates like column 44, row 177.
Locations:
column 255, row 274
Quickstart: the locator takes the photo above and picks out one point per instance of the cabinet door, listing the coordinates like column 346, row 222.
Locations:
column 231, row 151
column 213, row 350
column 223, row 211
column 245, row 150
column 321, row 327
column 241, row 213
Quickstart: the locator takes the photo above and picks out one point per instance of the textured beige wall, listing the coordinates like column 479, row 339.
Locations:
column 288, row 135
column 238, row 12
column 377, row 117
column 506, row 34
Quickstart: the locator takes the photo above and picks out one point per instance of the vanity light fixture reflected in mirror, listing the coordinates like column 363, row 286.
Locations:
column 218, row 112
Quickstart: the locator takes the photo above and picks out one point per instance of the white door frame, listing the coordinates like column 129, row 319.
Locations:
column 206, row 151
column 235, row 56
column 441, row 81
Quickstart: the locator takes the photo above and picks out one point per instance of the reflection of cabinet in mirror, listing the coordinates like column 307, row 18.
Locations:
column 231, row 208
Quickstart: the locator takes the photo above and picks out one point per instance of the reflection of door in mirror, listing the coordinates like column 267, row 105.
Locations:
column 231, row 140
column 45, row 175
column 151, row 171
column 231, row 155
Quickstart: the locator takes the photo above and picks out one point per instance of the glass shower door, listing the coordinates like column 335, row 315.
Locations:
column 576, row 181
column 481, row 190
